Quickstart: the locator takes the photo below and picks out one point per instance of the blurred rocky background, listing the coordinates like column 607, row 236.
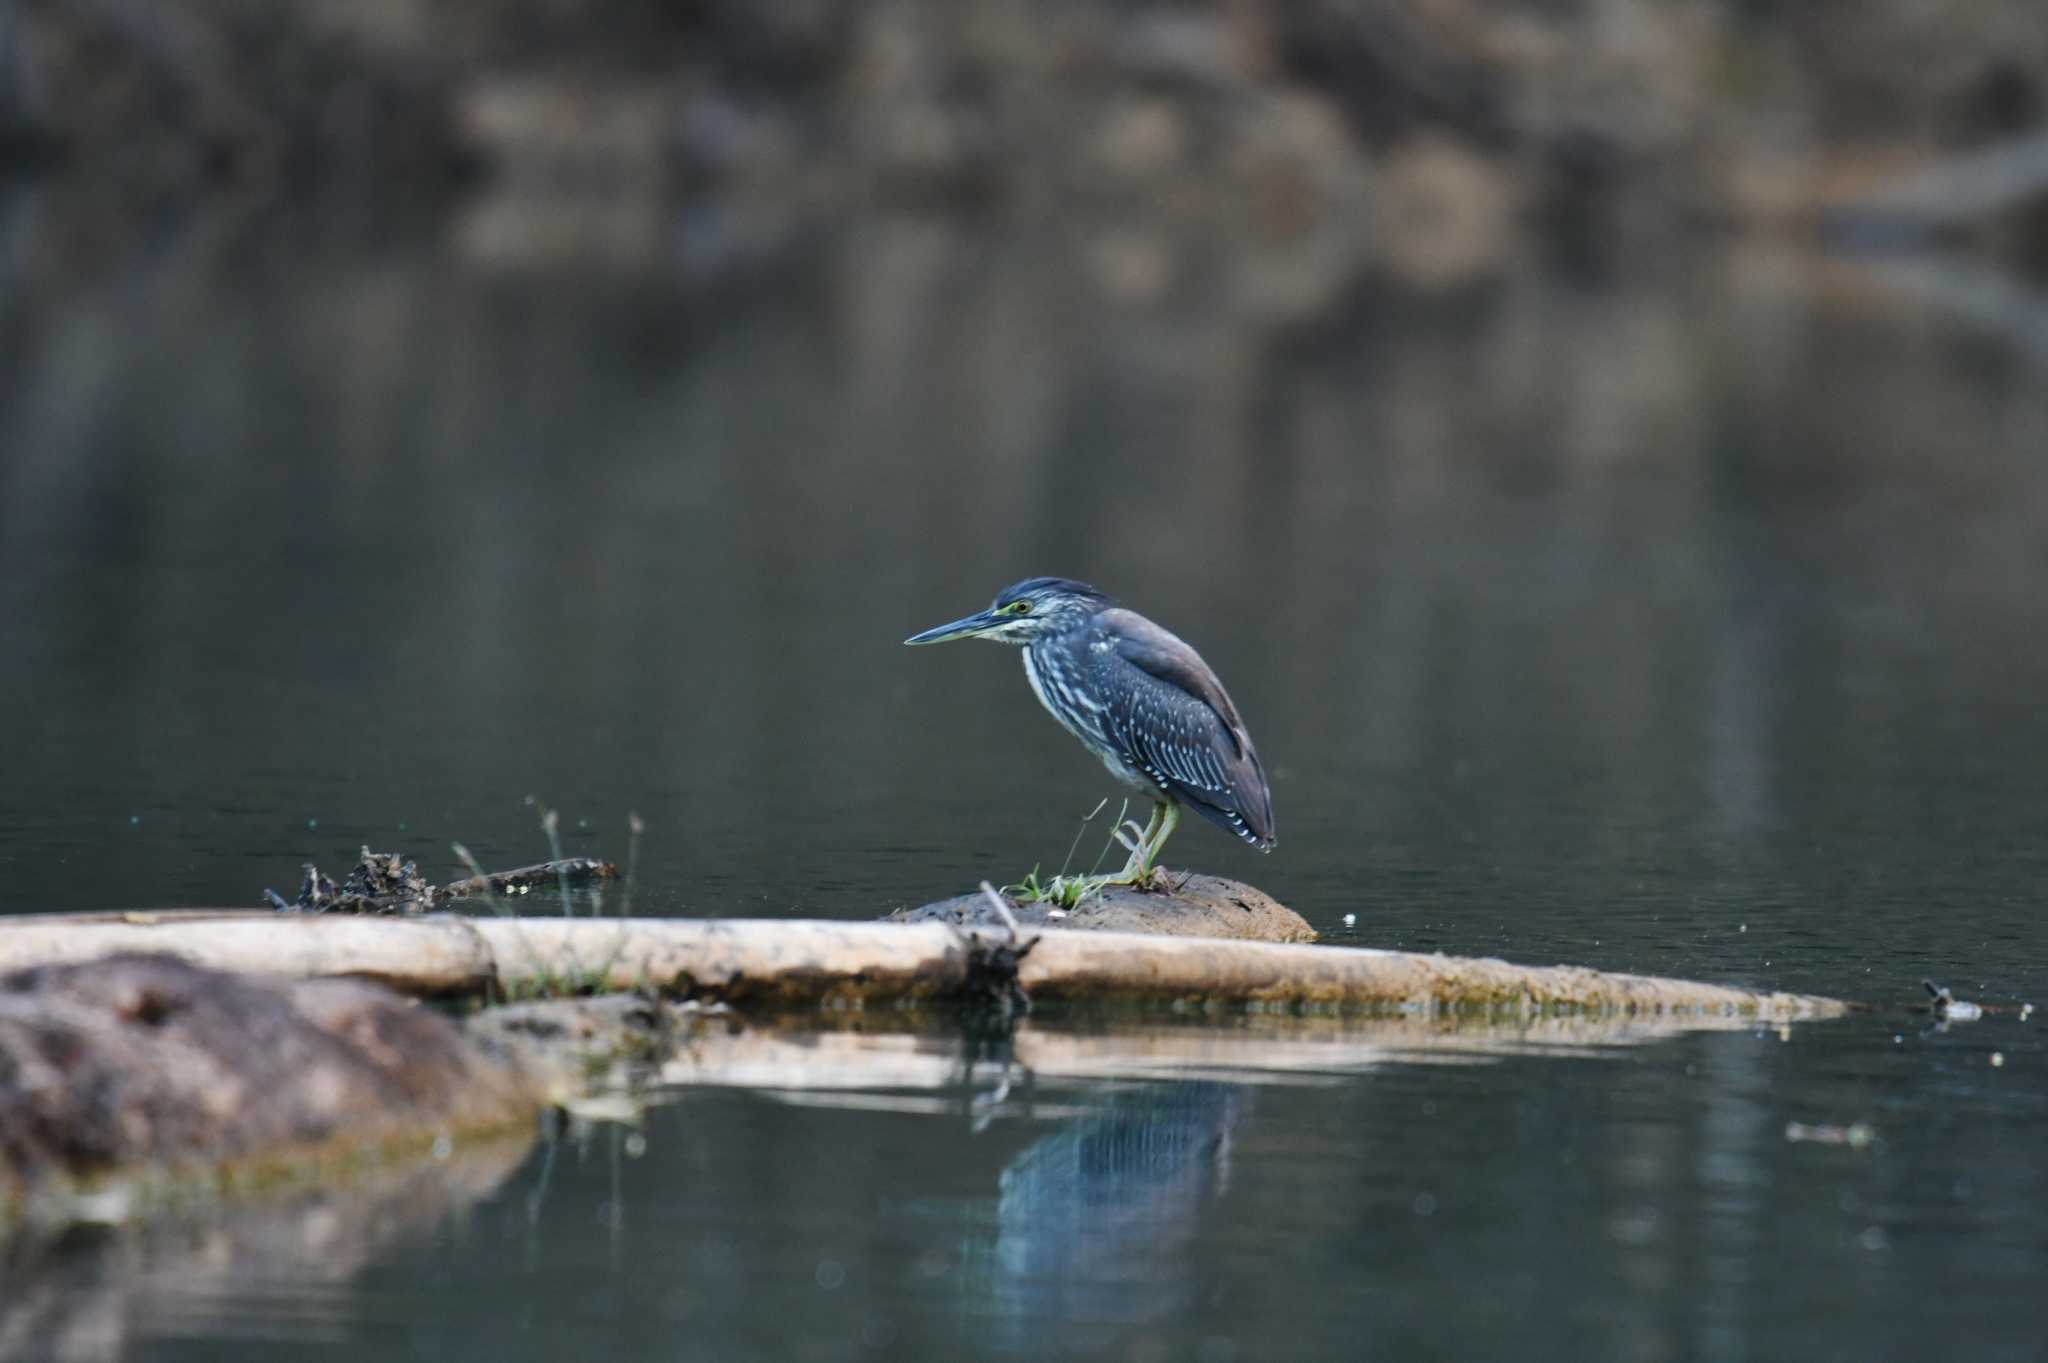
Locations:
column 1312, row 140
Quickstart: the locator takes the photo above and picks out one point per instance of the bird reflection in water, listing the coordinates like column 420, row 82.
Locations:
column 1093, row 1221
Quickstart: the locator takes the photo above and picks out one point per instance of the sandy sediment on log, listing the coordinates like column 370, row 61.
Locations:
column 1100, row 965
column 770, row 962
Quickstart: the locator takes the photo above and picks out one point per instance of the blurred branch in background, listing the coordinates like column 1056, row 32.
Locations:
column 1952, row 195
column 1419, row 136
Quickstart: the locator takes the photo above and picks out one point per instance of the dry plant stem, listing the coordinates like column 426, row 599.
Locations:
column 778, row 962
column 635, row 826
column 551, row 824
column 1079, row 834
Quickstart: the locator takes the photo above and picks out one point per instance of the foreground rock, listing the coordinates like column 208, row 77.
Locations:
column 140, row 1063
column 1185, row 905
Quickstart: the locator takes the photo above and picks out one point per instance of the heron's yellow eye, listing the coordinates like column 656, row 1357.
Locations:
column 1020, row 608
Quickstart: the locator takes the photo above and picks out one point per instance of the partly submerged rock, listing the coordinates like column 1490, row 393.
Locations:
column 572, row 1046
column 139, row 1063
column 1182, row 904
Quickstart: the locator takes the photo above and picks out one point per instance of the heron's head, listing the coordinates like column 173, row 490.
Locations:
column 1023, row 612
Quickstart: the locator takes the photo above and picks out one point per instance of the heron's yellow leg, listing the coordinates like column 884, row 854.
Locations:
column 1138, row 870
column 1169, row 820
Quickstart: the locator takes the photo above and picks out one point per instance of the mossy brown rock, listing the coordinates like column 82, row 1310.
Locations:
column 1180, row 904
column 141, row 1062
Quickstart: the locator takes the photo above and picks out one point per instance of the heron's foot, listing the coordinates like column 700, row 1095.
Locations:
column 1136, row 877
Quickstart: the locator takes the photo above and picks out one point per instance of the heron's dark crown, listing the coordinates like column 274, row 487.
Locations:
column 1057, row 605
column 1044, row 591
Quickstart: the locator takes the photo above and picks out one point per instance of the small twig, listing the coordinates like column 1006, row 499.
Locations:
column 572, row 869
column 1002, row 909
column 992, row 966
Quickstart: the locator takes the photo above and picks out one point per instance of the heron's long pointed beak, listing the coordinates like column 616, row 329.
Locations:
column 978, row 623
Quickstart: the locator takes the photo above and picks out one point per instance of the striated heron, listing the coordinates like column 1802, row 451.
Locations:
column 1138, row 698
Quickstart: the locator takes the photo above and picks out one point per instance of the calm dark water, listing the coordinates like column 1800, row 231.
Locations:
column 1682, row 615
column 1639, row 1203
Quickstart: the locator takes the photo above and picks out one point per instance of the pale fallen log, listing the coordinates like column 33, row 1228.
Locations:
column 754, row 962
column 428, row 956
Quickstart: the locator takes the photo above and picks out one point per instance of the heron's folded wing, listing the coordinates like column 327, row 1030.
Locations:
column 1165, row 655
column 1186, row 733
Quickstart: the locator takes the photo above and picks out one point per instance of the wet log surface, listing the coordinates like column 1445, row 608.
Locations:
column 1182, row 904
